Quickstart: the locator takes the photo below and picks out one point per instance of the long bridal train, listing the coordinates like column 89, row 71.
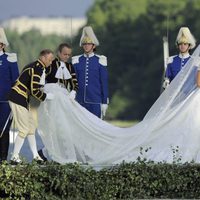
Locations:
column 70, row 133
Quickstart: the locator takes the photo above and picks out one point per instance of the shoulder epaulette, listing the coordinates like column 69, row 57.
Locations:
column 102, row 60
column 170, row 59
column 75, row 59
column 12, row 57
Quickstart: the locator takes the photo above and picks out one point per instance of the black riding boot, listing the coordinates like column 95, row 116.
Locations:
column 4, row 145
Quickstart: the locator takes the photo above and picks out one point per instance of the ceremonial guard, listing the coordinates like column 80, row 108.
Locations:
column 28, row 84
column 8, row 75
column 61, row 71
column 92, row 75
column 184, row 42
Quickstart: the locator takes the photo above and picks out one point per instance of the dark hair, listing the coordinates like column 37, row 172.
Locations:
column 45, row 52
column 3, row 49
column 62, row 45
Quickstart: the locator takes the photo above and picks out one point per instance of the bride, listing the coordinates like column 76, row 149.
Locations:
column 169, row 132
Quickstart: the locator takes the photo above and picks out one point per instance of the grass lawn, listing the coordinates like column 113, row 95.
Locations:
column 122, row 123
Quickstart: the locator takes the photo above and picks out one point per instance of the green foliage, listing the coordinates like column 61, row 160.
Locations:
column 135, row 180
column 131, row 34
column 19, row 182
column 102, row 12
column 29, row 44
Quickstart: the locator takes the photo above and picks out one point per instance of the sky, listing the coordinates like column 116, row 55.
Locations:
column 44, row 8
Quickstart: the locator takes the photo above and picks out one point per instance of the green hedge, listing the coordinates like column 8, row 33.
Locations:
column 125, row 181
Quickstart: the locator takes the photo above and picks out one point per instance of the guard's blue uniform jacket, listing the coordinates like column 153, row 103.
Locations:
column 8, row 75
column 92, row 76
column 175, row 63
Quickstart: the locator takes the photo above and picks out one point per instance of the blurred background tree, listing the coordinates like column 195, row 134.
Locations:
column 29, row 44
column 131, row 35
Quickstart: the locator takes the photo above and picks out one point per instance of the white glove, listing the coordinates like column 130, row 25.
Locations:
column 103, row 109
column 72, row 94
column 165, row 83
column 50, row 96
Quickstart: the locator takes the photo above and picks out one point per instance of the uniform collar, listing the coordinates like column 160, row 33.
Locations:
column 43, row 65
column 90, row 55
column 57, row 59
column 184, row 56
column 1, row 53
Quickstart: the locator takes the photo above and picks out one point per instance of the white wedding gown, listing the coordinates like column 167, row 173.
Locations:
column 170, row 131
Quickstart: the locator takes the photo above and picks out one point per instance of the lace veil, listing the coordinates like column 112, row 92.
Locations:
column 71, row 133
column 179, row 89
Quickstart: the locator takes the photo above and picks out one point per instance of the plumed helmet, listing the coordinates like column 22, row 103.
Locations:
column 88, row 36
column 3, row 38
column 185, row 36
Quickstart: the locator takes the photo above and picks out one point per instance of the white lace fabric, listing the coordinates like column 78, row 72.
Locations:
column 71, row 133
column 62, row 72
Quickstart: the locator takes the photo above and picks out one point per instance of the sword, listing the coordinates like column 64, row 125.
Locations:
column 10, row 116
column 165, row 56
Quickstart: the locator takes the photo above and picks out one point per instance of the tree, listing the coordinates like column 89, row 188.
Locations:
column 29, row 44
column 130, row 34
